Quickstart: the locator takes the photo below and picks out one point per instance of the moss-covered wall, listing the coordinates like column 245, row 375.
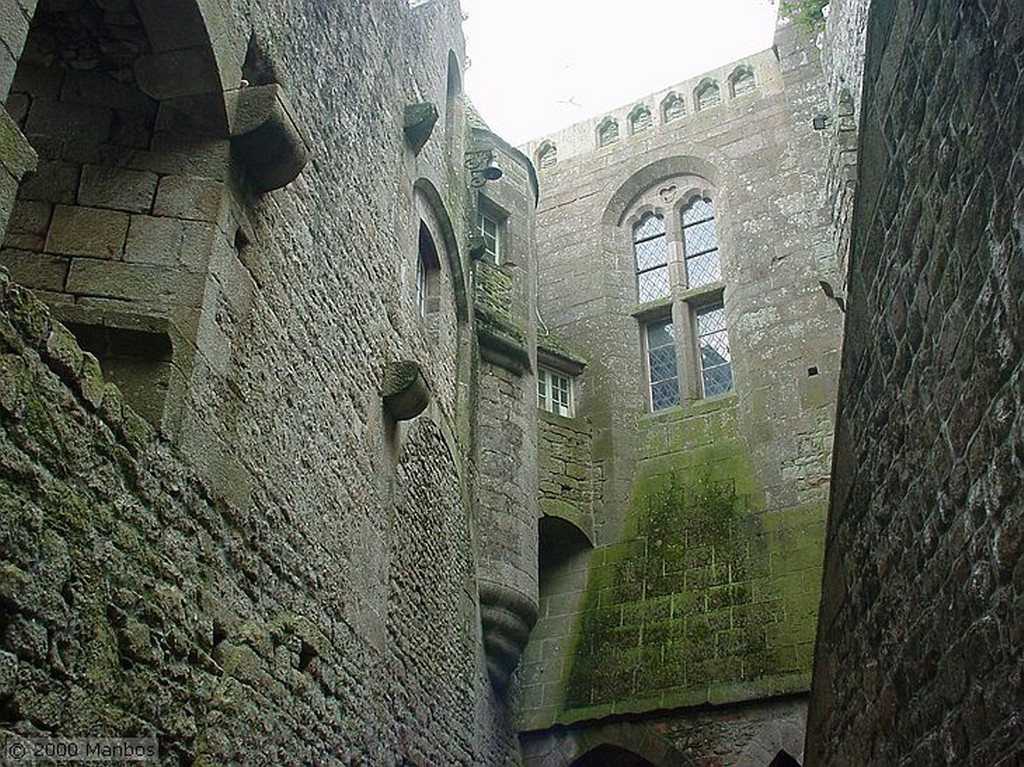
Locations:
column 709, row 598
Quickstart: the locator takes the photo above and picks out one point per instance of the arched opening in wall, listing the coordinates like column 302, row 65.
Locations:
column 563, row 560
column 428, row 274
column 115, row 228
column 783, row 759
column 561, row 545
column 608, row 755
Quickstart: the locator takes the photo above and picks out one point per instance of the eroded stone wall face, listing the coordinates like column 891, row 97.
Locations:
column 290, row 578
column 918, row 655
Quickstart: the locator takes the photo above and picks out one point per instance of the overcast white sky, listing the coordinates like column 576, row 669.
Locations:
column 540, row 65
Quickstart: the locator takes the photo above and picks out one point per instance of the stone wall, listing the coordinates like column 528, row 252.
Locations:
column 284, row 571
column 569, row 482
column 137, row 604
column 702, row 585
column 919, row 646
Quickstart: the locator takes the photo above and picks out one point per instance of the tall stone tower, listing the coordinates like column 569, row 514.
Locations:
column 684, row 487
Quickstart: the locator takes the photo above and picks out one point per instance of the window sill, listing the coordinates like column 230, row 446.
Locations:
column 653, row 309
column 711, row 292
column 696, row 407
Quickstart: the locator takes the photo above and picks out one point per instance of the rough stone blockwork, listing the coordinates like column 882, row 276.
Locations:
column 920, row 646
column 135, row 604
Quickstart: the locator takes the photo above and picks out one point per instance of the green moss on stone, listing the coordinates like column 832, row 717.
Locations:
column 708, row 589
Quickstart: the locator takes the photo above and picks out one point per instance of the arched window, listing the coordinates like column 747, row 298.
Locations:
column 650, row 248
column 672, row 107
column 639, row 118
column 700, row 243
column 428, row 274
column 547, row 155
column 742, row 80
column 707, row 95
column 607, row 132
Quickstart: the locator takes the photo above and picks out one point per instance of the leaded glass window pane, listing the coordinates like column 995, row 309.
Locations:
column 715, row 357
column 700, row 238
column 650, row 248
column 711, row 320
column 661, row 365
column 652, row 285
column 664, row 394
column 717, row 381
column 650, row 226
column 704, row 269
column 700, row 243
column 698, row 210
column 651, row 253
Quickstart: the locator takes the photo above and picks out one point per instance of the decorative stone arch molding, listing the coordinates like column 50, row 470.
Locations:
column 546, row 155
column 607, row 132
column 673, row 106
column 431, row 209
column 742, row 80
column 625, row 197
column 707, row 94
column 640, row 119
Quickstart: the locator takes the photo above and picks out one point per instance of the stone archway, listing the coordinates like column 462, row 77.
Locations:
column 609, row 755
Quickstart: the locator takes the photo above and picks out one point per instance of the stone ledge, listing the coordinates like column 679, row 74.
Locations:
column 266, row 135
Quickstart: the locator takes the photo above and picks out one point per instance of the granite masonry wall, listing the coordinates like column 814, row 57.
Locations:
column 701, row 587
column 270, row 567
column 918, row 657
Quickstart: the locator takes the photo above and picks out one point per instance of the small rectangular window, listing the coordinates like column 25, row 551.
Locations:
column 490, row 230
column 662, row 369
column 554, row 392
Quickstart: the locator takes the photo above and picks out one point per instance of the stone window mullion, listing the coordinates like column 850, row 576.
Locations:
column 686, row 350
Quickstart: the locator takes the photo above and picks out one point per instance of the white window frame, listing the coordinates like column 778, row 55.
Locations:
column 551, row 383
column 490, row 230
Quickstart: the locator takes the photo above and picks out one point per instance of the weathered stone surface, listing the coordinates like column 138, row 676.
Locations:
column 706, row 518
column 282, row 560
column 117, row 188
column 185, row 197
column 78, row 231
column 918, row 658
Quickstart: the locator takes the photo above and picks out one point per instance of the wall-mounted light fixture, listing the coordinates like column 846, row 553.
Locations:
column 482, row 167
column 820, row 120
